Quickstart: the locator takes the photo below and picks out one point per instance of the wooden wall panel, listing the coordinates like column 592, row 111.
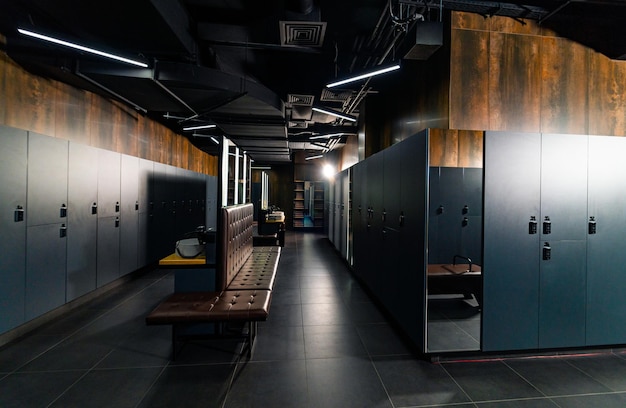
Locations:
column 508, row 25
column 32, row 101
column 471, row 148
column 72, row 113
column 564, row 102
column 470, row 21
column 56, row 109
column 607, row 96
column 444, row 148
column 469, row 80
column 514, row 83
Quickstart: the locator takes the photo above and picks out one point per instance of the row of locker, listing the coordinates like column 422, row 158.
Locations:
column 555, row 222
column 338, row 212
column 75, row 218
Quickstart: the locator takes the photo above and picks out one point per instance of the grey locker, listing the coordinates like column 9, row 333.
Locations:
column 146, row 209
column 108, row 258
column 511, row 254
column 45, row 269
column 472, row 221
column 211, row 202
column 390, row 234
column 108, row 183
column 82, row 220
column 606, row 248
column 129, row 214
column 13, row 153
column 374, row 263
column 345, row 214
column 47, row 179
column 337, row 210
column 563, row 277
column 358, row 217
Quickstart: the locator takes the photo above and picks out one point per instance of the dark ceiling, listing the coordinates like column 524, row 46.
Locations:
column 255, row 68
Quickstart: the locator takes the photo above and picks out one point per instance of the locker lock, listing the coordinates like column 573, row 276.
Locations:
column 547, row 225
column 401, row 220
column 532, row 225
column 19, row 214
column 63, row 231
column 63, row 211
column 117, row 206
column 94, row 209
column 592, row 225
column 465, row 222
column 547, row 251
column 465, row 209
column 117, row 222
column 440, row 209
column 384, row 215
column 136, row 205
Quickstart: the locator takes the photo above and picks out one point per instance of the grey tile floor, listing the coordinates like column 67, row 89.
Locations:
column 324, row 345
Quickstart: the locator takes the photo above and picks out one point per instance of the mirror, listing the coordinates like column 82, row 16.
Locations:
column 454, row 274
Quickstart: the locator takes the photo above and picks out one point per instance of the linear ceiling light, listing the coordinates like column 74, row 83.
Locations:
column 326, row 136
column 366, row 75
column 319, row 156
column 81, row 48
column 200, row 127
column 335, row 113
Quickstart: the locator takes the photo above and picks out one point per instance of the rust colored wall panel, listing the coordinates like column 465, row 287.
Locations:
column 469, row 80
column 72, row 112
column 564, row 73
column 4, row 61
column 501, row 24
column 471, row 148
column 444, row 147
column 470, row 21
column 31, row 100
column 514, row 83
column 607, row 96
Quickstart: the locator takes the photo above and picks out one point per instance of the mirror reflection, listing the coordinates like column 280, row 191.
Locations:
column 454, row 259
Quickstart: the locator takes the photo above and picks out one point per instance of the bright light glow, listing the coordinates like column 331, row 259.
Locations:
column 215, row 140
column 363, row 76
column 81, row 48
column 200, row 127
column 328, row 171
column 319, row 156
column 334, row 113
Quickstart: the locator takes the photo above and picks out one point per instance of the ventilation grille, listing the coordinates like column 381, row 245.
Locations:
column 332, row 96
column 302, row 33
column 303, row 100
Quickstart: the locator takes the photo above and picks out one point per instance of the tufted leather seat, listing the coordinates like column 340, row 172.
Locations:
column 199, row 307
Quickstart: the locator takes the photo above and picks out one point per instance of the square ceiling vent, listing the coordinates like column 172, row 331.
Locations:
column 329, row 95
column 302, row 33
column 304, row 100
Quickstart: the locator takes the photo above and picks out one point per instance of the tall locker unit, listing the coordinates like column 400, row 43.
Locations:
column 374, row 262
column 46, row 233
column 109, row 208
column 330, row 206
column 606, row 247
column 535, row 241
column 359, row 217
column 129, row 214
column 345, row 214
column 13, row 159
column 82, row 219
column 562, row 274
column 146, row 208
column 160, row 214
column 511, row 255
column 337, row 211
column 212, row 203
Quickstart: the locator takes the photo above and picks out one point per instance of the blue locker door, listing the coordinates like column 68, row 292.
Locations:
column 129, row 214
column 510, row 259
column 563, row 277
column 606, row 249
column 13, row 144
column 392, row 186
column 359, row 217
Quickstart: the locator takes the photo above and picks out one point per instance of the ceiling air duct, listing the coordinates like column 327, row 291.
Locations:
column 428, row 39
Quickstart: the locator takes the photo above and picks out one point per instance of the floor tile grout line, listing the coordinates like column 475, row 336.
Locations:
column 523, row 378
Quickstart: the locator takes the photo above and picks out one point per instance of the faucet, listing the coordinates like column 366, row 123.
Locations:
column 469, row 261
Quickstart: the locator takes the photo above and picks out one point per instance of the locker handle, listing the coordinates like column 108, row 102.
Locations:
column 63, row 231
column 136, row 205
column 117, row 222
column 532, row 225
column 94, row 209
column 384, row 215
column 465, row 209
column 547, row 226
column 117, row 206
column 465, row 222
column 19, row 214
column 592, row 225
column 63, row 211
column 401, row 220
column 547, row 251
column 440, row 210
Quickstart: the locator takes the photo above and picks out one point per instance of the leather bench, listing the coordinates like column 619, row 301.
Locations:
column 245, row 277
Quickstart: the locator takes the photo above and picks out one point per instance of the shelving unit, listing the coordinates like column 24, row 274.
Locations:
column 298, row 204
column 318, row 205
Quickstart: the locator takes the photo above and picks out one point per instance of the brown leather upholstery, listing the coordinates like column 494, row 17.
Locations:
column 258, row 272
column 236, row 240
column 198, row 307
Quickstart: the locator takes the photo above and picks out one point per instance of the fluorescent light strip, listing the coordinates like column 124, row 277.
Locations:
column 82, row 48
column 215, row 140
column 319, row 156
column 366, row 75
column 333, row 113
column 200, row 127
column 326, row 136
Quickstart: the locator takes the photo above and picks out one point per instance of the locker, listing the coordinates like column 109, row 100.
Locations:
column 373, row 272
column 109, row 202
column 359, row 215
column 606, row 248
column 108, row 258
column 146, row 209
column 13, row 154
column 390, row 215
column 563, row 277
column 510, row 261
column 45, row 268
column 129, row 214
column 82, row 220
column 47, row 179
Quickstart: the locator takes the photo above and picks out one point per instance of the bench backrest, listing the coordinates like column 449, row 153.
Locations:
column 236, row 241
